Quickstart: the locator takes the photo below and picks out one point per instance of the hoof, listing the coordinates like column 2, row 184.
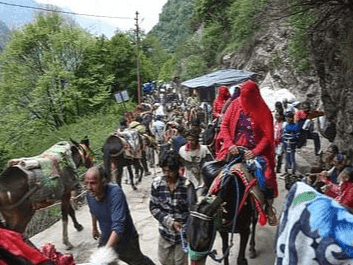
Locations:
column 68, row 245
column 134, row 187
column 242, row 262
column 79, row 228
column 252, row 254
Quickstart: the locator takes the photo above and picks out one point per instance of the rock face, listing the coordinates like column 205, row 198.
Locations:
column 328, row 84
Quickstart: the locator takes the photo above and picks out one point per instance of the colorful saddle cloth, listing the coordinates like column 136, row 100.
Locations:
column 313, row 229
column 45, row 170
column 251, row 188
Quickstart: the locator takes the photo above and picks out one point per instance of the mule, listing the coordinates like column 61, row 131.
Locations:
column 208, row 217
column 29, row 184
column 115, row 159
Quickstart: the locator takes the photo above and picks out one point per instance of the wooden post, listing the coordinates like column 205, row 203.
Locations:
column 137, row 40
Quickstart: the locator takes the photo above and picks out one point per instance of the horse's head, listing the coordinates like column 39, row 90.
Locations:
column 201, row 229
column 82, row 154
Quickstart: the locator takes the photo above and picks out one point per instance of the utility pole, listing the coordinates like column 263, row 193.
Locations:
column 137, row 41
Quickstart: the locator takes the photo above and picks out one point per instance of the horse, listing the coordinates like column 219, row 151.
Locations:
column 225, row 214
column 29, row 184
column 313, row 229
column 117, row 154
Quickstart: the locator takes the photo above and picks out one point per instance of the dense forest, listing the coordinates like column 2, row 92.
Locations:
column 57, row 81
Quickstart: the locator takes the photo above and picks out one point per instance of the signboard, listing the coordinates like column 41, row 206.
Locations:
column 121, row 96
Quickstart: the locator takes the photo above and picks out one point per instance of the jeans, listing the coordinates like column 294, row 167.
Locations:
column 315, row 136
column 290, row 161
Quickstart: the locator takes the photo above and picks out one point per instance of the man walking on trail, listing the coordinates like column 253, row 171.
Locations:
column 169, row 206
column 108, row 206
column 193, row 157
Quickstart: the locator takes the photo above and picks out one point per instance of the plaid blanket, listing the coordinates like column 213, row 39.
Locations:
column 133, row 146
column 313, row 229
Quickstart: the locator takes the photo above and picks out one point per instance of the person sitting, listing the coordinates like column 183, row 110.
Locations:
column 304, row 118
column 248, row 123
column 221, row 99
column 343, row 192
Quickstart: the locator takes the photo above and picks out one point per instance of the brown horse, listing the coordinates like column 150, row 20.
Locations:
column 29, row 184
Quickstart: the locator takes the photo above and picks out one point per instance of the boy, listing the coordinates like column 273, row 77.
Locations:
column 290, row 141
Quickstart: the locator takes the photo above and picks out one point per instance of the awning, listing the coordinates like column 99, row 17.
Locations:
column 222, row 77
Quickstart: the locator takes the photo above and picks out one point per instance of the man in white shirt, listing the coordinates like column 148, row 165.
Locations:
column 193, row 157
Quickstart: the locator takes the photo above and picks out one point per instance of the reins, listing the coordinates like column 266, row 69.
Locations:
column 212, row 253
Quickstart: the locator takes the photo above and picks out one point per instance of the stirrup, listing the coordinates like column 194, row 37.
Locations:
column 271, row 217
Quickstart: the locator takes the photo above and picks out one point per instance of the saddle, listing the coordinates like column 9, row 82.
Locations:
column 44, row 171
column 252, row 189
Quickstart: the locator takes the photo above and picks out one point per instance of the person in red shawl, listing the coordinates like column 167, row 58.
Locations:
column 248, row 123
column 223, row 96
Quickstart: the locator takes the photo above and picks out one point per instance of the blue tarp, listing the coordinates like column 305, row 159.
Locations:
column 221, row 77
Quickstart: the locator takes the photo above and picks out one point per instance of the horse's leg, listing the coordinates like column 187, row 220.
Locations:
column 225, row 245
column 139, row 169
column 72, row 214
column 244, row 237
column 65, row 204
column 119, row 175
column 252, row 237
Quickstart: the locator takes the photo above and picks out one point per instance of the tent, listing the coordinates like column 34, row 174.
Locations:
column 207, row 84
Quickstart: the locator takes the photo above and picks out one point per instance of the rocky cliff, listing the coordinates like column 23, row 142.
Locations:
column 328, row 84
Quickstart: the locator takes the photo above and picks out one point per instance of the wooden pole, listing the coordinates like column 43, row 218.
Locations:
column 137, row 40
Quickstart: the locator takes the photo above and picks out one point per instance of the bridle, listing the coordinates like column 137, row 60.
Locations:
column 198, row 255
column 85, row 155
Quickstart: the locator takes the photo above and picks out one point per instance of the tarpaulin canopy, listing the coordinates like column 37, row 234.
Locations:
column 221, row 77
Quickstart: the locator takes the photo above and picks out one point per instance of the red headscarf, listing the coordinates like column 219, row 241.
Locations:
column 252, row 105
column 223, row 96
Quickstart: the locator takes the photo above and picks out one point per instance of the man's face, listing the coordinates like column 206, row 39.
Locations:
column 192, row 142
column 93, row 184
column 168, row 172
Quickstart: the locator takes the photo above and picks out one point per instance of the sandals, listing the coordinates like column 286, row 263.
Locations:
column 271, row 216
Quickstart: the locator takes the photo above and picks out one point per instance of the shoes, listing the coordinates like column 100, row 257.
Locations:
column 271, row 216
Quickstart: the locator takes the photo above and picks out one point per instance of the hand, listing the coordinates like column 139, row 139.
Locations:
column 233, row 150
column 95, row 234
column 249, row 155
column 321, row 177
column 177, row 226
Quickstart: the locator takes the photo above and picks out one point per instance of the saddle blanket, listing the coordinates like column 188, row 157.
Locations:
column 313, row 229
column 251, row 189
column 47, row 166
column 131, row 139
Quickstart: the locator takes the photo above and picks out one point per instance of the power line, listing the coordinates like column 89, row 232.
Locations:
column 64, row 12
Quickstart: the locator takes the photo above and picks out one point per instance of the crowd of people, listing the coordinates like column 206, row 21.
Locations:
column 242, row 121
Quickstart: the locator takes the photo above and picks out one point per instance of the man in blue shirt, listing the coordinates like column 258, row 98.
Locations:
column 108, row 206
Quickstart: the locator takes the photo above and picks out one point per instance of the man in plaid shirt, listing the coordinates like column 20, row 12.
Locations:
column 169, row 206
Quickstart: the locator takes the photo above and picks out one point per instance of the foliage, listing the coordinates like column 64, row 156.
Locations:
column 212, row 11
column 174, row 23
column 168, row 70
column 192, row 67
column 301, row 20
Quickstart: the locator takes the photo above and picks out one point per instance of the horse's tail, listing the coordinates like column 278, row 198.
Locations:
column 107, row 148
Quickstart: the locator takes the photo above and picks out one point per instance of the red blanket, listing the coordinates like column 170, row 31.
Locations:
column 14, row 243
